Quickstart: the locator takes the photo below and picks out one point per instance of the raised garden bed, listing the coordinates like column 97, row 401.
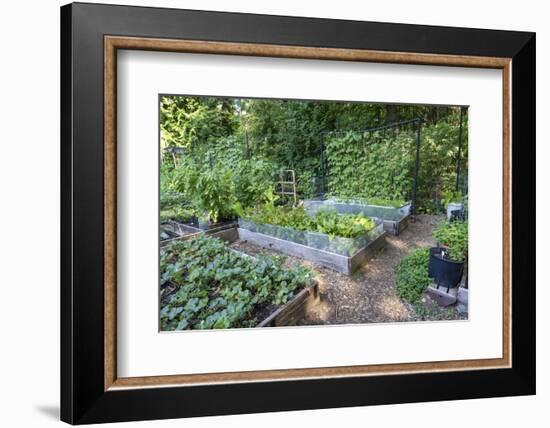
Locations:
column 295, row 309
column 176, row 231
column 288, row 314
column 395, row 219
column 344, row 255
column 205, row 284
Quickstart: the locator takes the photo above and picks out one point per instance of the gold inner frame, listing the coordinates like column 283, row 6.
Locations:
column 113, row 43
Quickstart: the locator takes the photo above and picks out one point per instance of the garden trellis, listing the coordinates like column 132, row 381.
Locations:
column 359, row 154
column 459, row 156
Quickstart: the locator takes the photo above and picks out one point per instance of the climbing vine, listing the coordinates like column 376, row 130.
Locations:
column 368, row 165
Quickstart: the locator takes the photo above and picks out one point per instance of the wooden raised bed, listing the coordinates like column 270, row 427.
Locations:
column 334, row 261
column 288, row 314
column 295, row 309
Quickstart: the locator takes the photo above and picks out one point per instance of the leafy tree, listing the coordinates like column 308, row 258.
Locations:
column 286, row 134
column 194, row 121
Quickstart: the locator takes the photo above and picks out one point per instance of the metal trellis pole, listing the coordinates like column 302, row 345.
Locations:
column 322, row 168
column 382, row 128
column 417, row 162
column 459, row 157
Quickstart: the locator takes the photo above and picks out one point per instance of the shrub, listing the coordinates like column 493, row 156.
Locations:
column 454, row 236
column 412, row 275
column 210, row 190
column 253, row 178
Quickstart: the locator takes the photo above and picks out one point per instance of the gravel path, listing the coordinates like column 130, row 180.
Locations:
column 369, row 295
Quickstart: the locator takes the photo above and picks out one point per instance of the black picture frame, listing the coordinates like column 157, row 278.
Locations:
column 83, row 398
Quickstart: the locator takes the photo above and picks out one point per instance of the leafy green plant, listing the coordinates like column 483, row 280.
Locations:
column 286, row 135
column 438, row 157
column 450, row 196
column 210, row 190
column 181, row 214
column 175, row 206
column 325, row 221
column 370, row 165
column 218, row 183
column 346, row 226
column 253, row 180
column 189, row 121
column 412, row 275
column 454, row 236
column 385, row 202
column 220, row 288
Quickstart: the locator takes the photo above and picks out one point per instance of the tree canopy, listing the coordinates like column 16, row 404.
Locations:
column 285, row 134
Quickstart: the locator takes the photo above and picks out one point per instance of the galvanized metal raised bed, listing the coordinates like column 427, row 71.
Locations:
column 344, row 255
column 395, row 219
column 182, row 232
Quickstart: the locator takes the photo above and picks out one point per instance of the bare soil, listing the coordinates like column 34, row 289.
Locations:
column 369, row 295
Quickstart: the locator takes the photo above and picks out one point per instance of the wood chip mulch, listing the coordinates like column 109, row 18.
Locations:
column 369, row 295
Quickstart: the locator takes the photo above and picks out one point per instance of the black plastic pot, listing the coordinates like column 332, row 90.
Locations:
column 445, row 272
column 457, row 215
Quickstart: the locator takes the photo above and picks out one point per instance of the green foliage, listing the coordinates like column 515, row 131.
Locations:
column 210, row 190
column 168, row 179
column 218, row 186
column 181, row 214
column 191, row 121
column 346, row 226
column 325, row 221
column 175, row 206
column 454, row 236
column 220, row 288
column 170, row 200
column 449, row 196
column 384, row 202
column 438, row 157
column 380, row 165
column 412, row 275
column 266, row 136
column 253, row 179
column 370, row 166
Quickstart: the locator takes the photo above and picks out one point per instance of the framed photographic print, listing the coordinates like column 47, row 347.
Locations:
column 265, row 213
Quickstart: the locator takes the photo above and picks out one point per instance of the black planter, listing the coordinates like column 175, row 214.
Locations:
column 446, row 273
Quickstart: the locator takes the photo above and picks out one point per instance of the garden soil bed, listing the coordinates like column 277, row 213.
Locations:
column 326, row 258
column 369, row 295
column 288, row 314
column 226, row 232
